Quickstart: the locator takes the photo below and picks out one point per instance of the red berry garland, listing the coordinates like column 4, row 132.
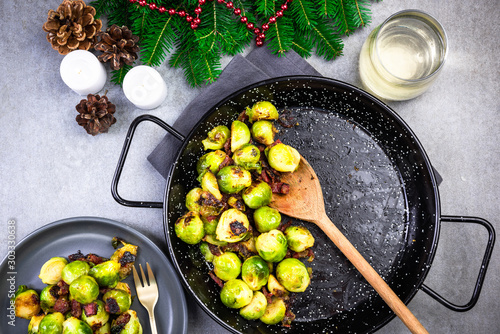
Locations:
column 260, row 35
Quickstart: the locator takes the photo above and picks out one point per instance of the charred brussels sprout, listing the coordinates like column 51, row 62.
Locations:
column 293, row 275
column 266, row 219
column 274, row 287
column 84, row 289
column 121, row 326
column 209, row 183
column 257, row 195
column 34, row 325
column 248, row 156
column 272, row 245
column 263, row 132
column 233, row 226
column 189, row 228
column 299, row 238
column 227, row 266
column 105, row 329
column 48, row 297
column 216, row 138
column 210, row 161
column 26, row 302
column 240, row 135
column 74, row 325
column 255, row 272
column 194, row 199
column 98, row 318
column 210, row 205
column 106, row 274
column 262, row 110
column 256, row 308
column 205, row 251
column 233, row 179
column 125, row 256
column 73, row 270
column 51, row 324
column 50, row 273
column 235, row 294
column 117, row 301
column 275, row 311
column 283, row 158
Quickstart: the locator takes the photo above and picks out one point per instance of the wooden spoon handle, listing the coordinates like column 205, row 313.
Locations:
column 371, row 276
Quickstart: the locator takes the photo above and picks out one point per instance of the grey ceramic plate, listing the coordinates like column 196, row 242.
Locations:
column 92, row 235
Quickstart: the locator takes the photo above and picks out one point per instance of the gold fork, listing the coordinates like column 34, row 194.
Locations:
column 147, row 293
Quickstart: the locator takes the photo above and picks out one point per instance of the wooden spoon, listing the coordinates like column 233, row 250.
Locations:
column 305, row 202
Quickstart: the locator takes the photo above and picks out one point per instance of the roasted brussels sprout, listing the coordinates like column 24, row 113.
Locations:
column 210, row 161
column 205, row 251
column 211, row 239
column 98, row 318
column 256, row 308
column 51, row 324
column 125, row 256
column 274, row 287
column 266, row 219
column 34, row 325
column 26, row 302
column 50, row 273
column 73, row 270
column 236, row 202
column 255, row 272
column 121, row 326
column 263, row 132
column 210, row 224
column 272, row 245
column 283, row 158
column 235, row 294
column 257, row 195
column 233, row 179
column 105, row 329
column 227, row 266
column 74, row 325
column 299, row 238
column 262, row 110
column 240, row 135
column 84, row 289
column 194, row 200
column 189, row 228
column 293, row 275
column 48, row 297
column 210, row 206
column 106, row 274
column 275, row 311
column 233, row 226
column 216, row 138
column 117, row 301
column 248, row 156
column 209, row 183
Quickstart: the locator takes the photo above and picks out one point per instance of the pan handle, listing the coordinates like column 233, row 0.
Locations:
column 482, row 271
column 123, row 157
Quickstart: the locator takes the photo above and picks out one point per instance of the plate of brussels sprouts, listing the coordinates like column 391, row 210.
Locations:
column 72, row 277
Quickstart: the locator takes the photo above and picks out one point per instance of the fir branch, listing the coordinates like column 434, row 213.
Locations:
column 360, row 13
column 118, row 75
column 160, row 41
column 303, row 14
column 328, row 43
column 302, row 45
column 265, row 8
column 280, row 36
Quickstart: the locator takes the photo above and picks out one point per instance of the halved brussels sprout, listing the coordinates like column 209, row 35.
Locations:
column 257, row 195
column 194, row 200
column 275, row 311
column 73, row 270
column 26, row 302
column 34, row 325
column 266, row 219
column 233, row 226
column 210, row 206
column 106, row 274
column 272, row 245
column 105, row 329
column 211, row 239
column 210, row 161
column 51, row 324
column 255, row 272
column 132, row 326
column 117, row 301
column 209, row 183
column 189, row 228
column 299, row 238
column 283, row 158
column 293, row 275
column 98, row 318
column 125, row 256
column 50, row 273
column 263, row 132
column 235, row 294
column 205, row 251
column 256, row 308
column 48, row 297
column 227, row 266
column 233, row 179
column 74, row 325
column 262, row 110
column 216, row 138
column 248, row 156
column 240, row 135
column 84, row 289
column 274, row 287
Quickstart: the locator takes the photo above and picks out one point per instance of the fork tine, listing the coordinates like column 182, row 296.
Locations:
column 143, row 276
column 151, row 276
column 137, row 280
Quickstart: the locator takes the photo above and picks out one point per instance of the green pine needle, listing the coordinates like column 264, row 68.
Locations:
column 117, row 76
column 304, row 14
column 280, row 36
column 328, row 43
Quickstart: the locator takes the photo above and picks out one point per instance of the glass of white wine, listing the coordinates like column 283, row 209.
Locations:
column 403, row 56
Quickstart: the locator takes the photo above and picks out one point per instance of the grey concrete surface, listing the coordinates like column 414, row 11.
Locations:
column 51, row 169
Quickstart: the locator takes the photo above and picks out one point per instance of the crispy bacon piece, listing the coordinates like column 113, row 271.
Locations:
column 216, row 279
column 226, row 162
column 227, row 146
column 63, row 288
column 76, row 309
column 237, row 228
column 215, row 250
column 287, row 120
column 111, row 306
column 62, row 305
column 120, row 323
column 90, row 309
column 95, row 259
column 77, row 256
column 127, row 258
column 267, row 294
column 280, row 188
column 284, row 225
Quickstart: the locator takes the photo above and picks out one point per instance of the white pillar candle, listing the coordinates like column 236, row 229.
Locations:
column 83, row 72
column 144, row 87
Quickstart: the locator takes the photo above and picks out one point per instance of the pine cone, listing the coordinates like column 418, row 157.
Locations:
column 96, row 114
column 118, row 45
column 72, row 26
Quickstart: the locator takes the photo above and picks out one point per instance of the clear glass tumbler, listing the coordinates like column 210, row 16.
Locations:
column 403, row 56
